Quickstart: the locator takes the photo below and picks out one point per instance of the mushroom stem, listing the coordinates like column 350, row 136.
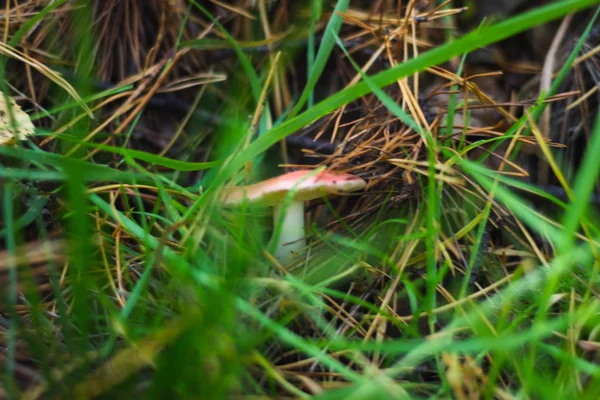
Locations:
column 291, row 240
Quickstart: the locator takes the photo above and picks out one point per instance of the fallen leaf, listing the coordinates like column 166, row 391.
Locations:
column 24, row 126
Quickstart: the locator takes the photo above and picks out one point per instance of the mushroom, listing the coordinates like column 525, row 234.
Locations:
column 305, row 185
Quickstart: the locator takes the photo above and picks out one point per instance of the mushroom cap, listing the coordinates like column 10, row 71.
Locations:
column 273, row 191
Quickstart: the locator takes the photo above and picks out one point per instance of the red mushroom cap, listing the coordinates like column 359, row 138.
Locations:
column 273, row 191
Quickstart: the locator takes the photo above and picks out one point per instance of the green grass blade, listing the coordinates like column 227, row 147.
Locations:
column 10, row 294
column 586, row 180
column 327, row 44
column 155, row 159
column 316, row 10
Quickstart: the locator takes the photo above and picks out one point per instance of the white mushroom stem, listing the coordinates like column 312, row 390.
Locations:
column 292, row 239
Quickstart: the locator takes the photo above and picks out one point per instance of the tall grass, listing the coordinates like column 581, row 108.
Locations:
column 154, row 290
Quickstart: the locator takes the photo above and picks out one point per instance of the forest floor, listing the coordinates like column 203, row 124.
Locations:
column 468, row 267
